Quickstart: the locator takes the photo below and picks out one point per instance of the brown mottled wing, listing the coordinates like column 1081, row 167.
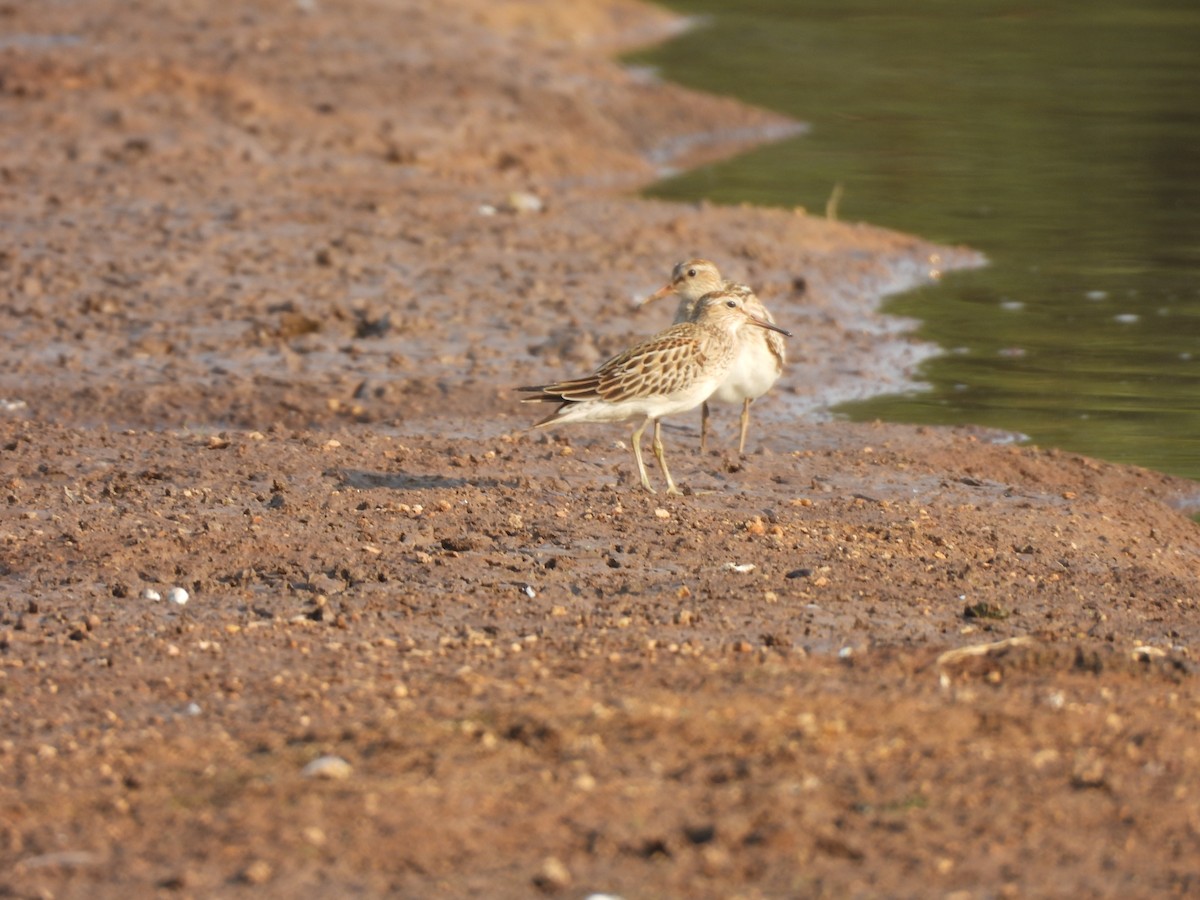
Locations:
column 561, row 391
column 661, row 365
column 665, row 364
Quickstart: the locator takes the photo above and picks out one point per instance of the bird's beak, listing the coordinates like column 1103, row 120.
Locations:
column 664, row 291
column 763, row 323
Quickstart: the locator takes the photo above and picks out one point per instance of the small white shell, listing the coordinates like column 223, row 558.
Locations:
column 739, row 567
column 333, row 767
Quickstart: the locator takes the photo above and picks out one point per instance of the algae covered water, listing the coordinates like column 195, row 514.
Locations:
column 1061, row 140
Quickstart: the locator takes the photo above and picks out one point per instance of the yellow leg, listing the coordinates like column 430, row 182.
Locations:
column 662, row 460
column 703, row 425
column 745, row 426
column 637, row 453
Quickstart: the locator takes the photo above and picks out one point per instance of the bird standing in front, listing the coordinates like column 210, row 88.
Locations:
column 760, row 356
column 672, row 372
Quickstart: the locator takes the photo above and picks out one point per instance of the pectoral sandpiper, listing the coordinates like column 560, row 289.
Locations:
column 672, row 372
column 760, row 355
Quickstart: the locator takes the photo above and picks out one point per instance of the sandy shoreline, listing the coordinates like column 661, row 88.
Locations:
column 262, row 338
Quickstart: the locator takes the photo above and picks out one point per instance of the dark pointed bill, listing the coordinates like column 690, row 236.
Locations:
column 765, row 324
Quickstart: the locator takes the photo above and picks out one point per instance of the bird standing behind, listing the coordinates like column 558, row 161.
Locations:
column 761, row 355
column 672, row 372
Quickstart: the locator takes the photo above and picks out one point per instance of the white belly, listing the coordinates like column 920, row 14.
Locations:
column 753, row 373
column 654, row 406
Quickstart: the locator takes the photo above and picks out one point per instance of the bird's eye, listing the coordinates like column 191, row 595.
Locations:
column 691, row 273
column 731, row 303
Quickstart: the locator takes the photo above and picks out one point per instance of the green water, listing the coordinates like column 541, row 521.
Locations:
column 1062, row 140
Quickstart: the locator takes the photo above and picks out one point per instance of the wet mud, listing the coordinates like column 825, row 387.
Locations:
column 270, row 274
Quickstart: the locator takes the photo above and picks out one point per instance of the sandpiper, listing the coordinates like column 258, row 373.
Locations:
column 760, row 357
column 672, row 372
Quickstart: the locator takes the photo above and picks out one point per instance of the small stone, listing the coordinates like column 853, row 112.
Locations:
column 1088, row 773
column 523, row 202
column 258, row 872
column 332, row 767
column 178, row 596
column 151, row 594
column 553, row 875
column 662, row 513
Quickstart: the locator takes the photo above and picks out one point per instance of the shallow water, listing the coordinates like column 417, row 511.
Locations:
column 1063, row 143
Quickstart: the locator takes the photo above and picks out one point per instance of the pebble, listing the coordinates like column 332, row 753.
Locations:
column 178, row 596
column 258, row 872
column 151, row 594
column 553, row 874
column 523, row 202
column 331, row 767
